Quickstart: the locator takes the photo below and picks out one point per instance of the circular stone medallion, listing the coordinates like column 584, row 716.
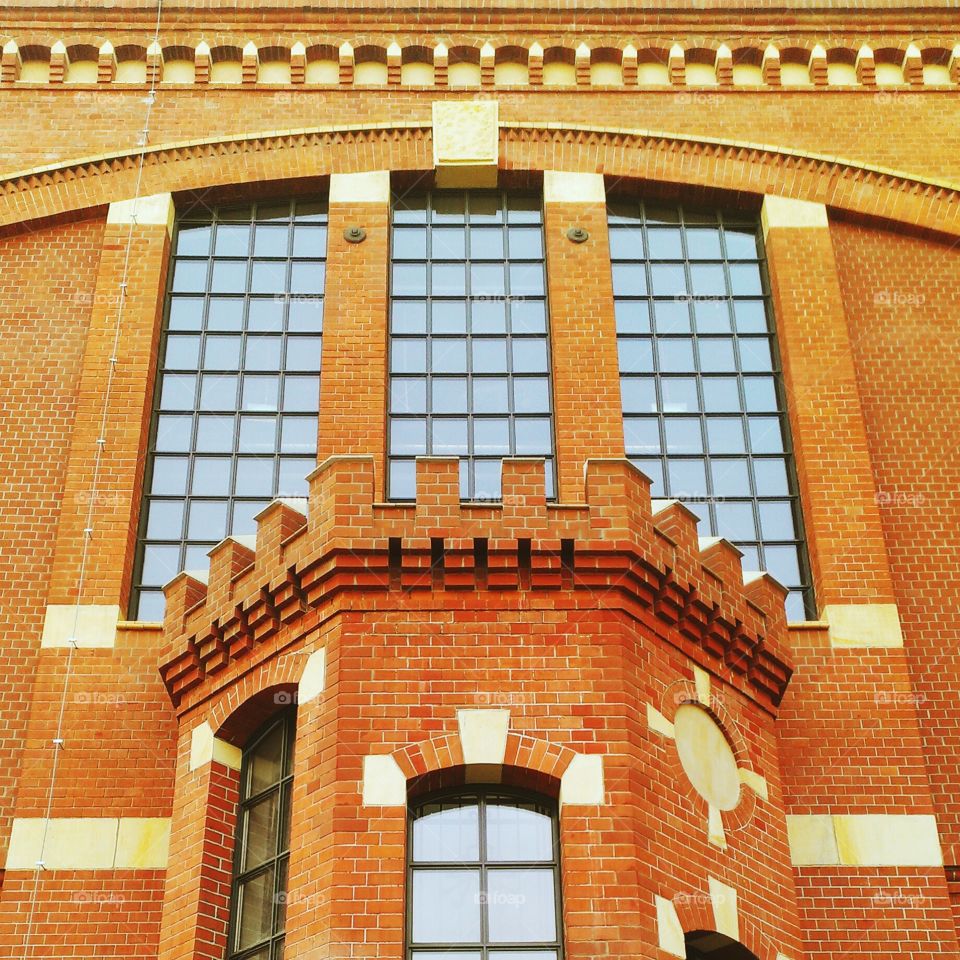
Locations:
column 707, row 757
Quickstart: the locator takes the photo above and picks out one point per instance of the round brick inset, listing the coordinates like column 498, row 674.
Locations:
column 707, row 757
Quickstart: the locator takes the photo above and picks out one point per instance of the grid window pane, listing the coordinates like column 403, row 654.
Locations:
column 470, row 360
column 484, row 876
column 242, row 336
column 703, row 408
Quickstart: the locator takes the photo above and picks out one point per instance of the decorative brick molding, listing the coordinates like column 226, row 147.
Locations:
column 617, row 550
column 755, row 168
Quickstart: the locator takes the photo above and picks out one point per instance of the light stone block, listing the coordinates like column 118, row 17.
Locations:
column 204, row 747
column 466, row 143
column 483, row 735
column 582, row 781
column 888, row 840
column 154, row 210
column 756, row 782
column 860, row 625
column 384, row 784
column 701, row 680
column 715, row 834
column 812, row 840
column 726, row 917
column 562, row 187
column 669, row 930
column 371, row 186
column 314, row 677
column 657, row 722
column 142, row 843
column 785, row 212
column 93, row 625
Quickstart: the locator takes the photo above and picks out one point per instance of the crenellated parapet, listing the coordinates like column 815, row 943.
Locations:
column 617, row 549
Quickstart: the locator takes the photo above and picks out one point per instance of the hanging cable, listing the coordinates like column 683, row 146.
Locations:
column 100, row 446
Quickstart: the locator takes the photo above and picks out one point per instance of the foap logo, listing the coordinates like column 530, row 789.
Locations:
column 899, row 298
column 100, row 698
column 899, row 498
column 899, row 898
column 899, row 698
column 697, row 99
column 898, row 97
column 500, row 898
column 98, row 897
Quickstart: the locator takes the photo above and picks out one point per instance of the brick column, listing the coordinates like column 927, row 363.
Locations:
column 588, row 416
column 196, row 905
column 851, row 572
column 145, row 224
column 353, row 383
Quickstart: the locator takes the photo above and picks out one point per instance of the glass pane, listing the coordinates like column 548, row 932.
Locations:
column 267, row 315
column 160, row 564
column 522, row 906
column 258, row 434
column 255, row 477
column 260, row 831
column 489, row 395
column 639, row 395
column 292, row 481
column 448, row 832
column 173, row 434
column 683, row 435
column 446, row 906
column 211, row 476
column 449, row 437
column 264, row 761
column 776, row 520
column 518, row 831
column 215, row 434
column 255, row 910
column 408, row 437
column 735, row 521
column 403, row 479
column 208, row 520
column 531, row 395
column 491, row 437
column 731, row 478
column 165, row 520
column 533, row 437
column 487, row 475
column 299, row 435
column 169, row 476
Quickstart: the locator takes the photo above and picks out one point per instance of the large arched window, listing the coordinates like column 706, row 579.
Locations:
column 258, row 907
column 483, row 877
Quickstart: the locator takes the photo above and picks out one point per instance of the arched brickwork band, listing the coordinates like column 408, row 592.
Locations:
column 657, row 156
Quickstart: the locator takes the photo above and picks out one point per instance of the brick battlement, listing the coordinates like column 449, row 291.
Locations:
column 617, row 549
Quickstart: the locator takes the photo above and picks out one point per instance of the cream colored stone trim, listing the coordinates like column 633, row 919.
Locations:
column 859, row 625
column 91, row 625
column 371, row 186
column 726, row 917
column 483, row 735
column 786, row 212
column 864, row 840
column 657, row 722
column 466, row 143
column 670, row 936
column 756, row 782
column 701, row 680
column 204, row 747
column 582, row 781
column 313, row 680
column 155, row 210
column 384, row 784
column 89, row 843
column 715, row 834
column 562, row 187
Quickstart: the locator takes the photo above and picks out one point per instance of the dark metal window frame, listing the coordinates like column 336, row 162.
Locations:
column 249, row 214
column 471, row 458
column 284, row 788
column 483, row 793
column 634, row 216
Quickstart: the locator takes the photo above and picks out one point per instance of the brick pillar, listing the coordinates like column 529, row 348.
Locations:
column 588, row 419
column 354, row 373
column 851, row 574
column 111, row 524
column 196, row 904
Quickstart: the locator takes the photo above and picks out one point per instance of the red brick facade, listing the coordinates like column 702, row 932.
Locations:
column 581, row 626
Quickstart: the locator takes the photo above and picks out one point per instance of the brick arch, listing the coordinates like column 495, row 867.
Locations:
column 535, row 755
column 242, row 707
column 643, row 155
column 695, row 912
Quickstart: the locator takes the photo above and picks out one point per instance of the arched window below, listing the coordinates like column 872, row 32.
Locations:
column 484, row 877
column 708, row 945
column 258, row 905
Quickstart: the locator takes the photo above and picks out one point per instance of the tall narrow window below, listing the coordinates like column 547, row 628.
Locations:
column 258, row 903
column 484, row 878
column 703, row 403
column 469, row 347
column 235, row 420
